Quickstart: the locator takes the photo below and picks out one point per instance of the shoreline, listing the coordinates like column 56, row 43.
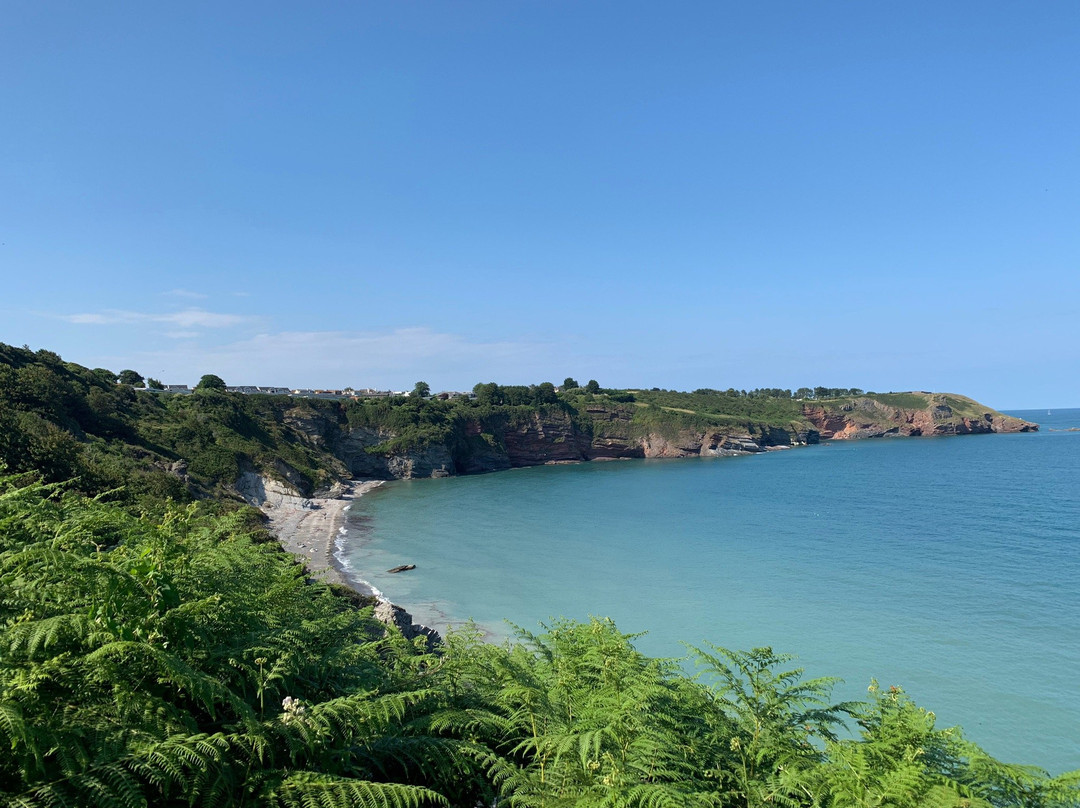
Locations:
column 309, row 528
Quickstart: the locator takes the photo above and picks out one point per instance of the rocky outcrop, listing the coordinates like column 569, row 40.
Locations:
column 611, row 435
column 314, row 426
column 352, row 447
column 870, row 418
column 722, row 444
column 610, row 448
column 262, row 491
column 999, row 422
column 699, row 444
column 685, row 444
column 430, row 461
column 539, row 439
column 392, row 615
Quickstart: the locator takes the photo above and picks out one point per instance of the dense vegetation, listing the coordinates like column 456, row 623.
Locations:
column 184, row 660
column 71, row 423
column 158, row 648
column 729, row 408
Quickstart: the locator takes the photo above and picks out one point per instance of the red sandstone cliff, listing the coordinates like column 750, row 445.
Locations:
column 501, row 440
column 944, row 414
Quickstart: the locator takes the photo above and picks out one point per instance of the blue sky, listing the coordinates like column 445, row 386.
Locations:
column 677, row 195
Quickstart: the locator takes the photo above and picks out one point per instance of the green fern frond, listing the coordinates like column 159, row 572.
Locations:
column 665, row 796
column 207, row 691
column 311, row 790
column 32, row 637
column 470, row 722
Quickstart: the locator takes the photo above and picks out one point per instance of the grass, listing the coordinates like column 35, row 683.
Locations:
column 905, row 401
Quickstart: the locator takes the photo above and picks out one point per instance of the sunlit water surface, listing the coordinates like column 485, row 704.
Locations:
column 949, row 566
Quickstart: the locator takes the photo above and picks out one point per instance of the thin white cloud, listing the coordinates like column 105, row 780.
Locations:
column 185, row 293
column 203, row 319
column 86, row 319
column 181, row 334
column 186, row 319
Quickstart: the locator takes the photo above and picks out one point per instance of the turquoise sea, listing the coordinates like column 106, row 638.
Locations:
column 948, row 566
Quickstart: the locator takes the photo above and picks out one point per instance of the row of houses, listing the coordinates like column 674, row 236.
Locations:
column 346, row 393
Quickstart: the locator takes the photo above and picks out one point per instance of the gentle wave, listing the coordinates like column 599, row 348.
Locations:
column 345, row 564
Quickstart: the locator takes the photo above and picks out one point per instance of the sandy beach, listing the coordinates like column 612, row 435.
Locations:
column 308, row 528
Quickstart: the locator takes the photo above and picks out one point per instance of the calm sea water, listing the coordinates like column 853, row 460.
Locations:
column 949, row 566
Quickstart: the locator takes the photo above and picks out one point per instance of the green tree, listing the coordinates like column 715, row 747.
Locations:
column 211, row 382
column 569, row 383
column 130, row 377
column 488, row 393
column 105, row 375
column 29, row 442
column 102, row 404
column 592, row 386
column 421, row 390
column 154, row 384
column 545, row 393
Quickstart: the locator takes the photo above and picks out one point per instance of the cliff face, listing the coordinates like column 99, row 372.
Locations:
column 499, row 443
column 330, row 432
column 544, row 439
column 503, row 440
column 611, row 435
column 942, row 415
column 555, row 439
column 723, row 444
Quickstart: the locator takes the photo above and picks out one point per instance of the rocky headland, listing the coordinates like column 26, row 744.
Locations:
column 549, row 435
column 942, row 414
